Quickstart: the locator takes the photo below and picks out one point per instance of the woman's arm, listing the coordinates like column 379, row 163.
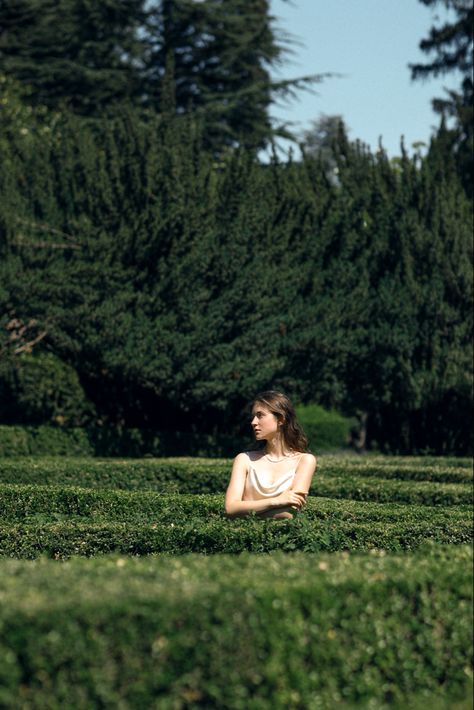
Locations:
column 299, row 488
column 234, row 505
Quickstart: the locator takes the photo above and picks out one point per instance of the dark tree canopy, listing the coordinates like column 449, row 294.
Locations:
column 79, row 53
column 177, row 286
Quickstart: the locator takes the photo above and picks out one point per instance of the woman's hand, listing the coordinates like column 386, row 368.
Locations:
column 290, row 499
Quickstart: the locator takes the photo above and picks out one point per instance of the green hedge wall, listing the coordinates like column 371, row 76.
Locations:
column 30, row 503
column 302, row 631
column 63, row 538
column 335, row 477
column 143, row 472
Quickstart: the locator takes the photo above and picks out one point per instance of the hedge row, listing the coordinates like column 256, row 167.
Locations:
column 444, row 470
column 381, row 490
column 32, row 503
column 183, row 476
column 129, row 473
column 312, row 631
column 62, row 539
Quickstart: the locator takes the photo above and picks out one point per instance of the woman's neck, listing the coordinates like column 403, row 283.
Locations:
column 275, row 449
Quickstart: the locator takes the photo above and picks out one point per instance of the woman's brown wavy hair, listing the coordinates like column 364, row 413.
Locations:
column 294, row 438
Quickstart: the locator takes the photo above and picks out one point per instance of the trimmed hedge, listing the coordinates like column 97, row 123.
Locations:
column 61, row 470
column 167, row 475
column 441, row 470
column 32, row 503
column 204, row 476
column 217, row 535
column 381, row 490
column 249, row 632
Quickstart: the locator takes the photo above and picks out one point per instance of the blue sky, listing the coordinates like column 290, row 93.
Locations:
column 370, row 43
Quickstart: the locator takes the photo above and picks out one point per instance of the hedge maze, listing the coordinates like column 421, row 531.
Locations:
column 124, row 585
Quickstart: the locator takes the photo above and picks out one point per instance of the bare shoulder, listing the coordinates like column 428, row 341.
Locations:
column 241, row 462
column 307, row 463
column 309, row 459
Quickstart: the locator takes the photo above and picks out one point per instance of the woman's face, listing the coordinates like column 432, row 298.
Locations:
column 264, row 423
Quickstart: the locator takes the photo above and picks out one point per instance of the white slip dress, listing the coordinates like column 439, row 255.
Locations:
column 261, row 483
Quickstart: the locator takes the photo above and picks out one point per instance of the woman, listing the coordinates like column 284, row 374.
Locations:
column 274, row 480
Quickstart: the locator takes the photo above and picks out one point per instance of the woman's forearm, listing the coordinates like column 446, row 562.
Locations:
column 244, row 507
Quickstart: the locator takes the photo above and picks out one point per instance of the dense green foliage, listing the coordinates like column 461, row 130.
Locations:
column 96, row 440
column 327, row 431
column 61, row 539
column 170, row 276
column 44, row 441
column 118, row 631
column 324, row 430
column 69, row 507
column 177, row 286
column 188, row 475
column 215, row 57
column 33, row 504
column 42, row 387
column 74, row 52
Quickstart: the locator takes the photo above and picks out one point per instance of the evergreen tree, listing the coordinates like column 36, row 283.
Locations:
column 451, row 47
column 80, row 53
column 177, row 285
column 415, row 349
column 222, row 53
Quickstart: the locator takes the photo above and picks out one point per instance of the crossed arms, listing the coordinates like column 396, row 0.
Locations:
column 281, row 506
